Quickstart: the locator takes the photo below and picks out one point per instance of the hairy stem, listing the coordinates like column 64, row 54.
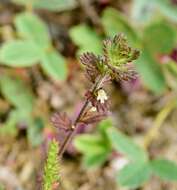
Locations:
column 68, row 138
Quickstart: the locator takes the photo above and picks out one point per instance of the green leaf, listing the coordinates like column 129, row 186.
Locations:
column 86, row 38
column 125, row 145
column 165, row 169
column 114, row 22
column 159, row 37
column 95, row 160
column 19, row 53
column 54, row 65
column 55, row 5
column 134, row 174
column 17, row 93
column 150, row 72
column 90, row 144
column 34, row 132
column 31, row 27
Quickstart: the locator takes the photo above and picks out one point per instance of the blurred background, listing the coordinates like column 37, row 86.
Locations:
column 40, row 74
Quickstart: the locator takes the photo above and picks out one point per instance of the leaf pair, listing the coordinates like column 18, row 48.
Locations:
column 33, row 46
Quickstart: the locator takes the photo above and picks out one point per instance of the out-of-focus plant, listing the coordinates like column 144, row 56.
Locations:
column 139, row 167
column 51, row 5
column 33, row 46
column 21, row 97
column 92, row 41
column 52, row 167
column 96, row 148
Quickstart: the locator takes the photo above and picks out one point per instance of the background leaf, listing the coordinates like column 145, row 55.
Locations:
column 134, row 174
column 51, row 5
column 142, row 10
column 31, row 27
column 86, row 38
column 95, row 160
column 19, row 53
column 159, row 37
column 90, row 144
column 54, row 65
column 165, row 169
column 114, row 22
column 126, row 146
column 150, row 72
column 17, row 93
column 167, row 8
column 55, row 5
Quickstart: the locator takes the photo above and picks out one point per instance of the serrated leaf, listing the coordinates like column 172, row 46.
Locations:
column 134, row 174
column 31, row 27
column 126, row 146
column 165, row 169
column 150, row 72
column 19, row 53
column 54, row 65
column 17, row 93
column 159, row 37
column 114, row 22
column 90, row 144
column 86, row 38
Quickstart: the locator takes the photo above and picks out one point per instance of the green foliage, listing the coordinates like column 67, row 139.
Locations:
column 95, row 148
column 19, row 53
column 51, row 5
column 52, row 167
column 151, row 72
column 31, row 27
column 167, row 8
column 165, row 169
column 159, row 37
column 126, row 146
column 34, row 132
column 114, row 22
column 34, row 46
column 17, row 93
column 134, row 174
column 58, row 69
column 86, row 39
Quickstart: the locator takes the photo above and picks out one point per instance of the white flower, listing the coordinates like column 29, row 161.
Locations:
column 102, row 96
column 93, row 109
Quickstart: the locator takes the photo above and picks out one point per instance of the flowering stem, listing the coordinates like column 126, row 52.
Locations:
column 68, row 138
